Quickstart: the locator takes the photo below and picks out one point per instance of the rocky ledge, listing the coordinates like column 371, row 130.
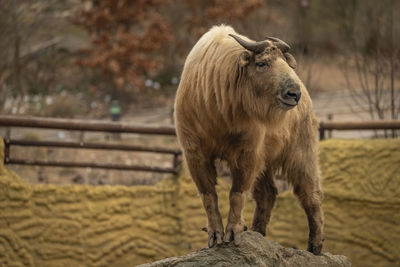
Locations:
column 254, row 250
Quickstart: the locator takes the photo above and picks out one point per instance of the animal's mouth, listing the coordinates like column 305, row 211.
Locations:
column 288, row 103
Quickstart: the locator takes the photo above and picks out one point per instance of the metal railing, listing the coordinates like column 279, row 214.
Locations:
column 93, row 126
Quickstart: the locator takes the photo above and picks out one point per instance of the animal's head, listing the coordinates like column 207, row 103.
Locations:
column 269, row 68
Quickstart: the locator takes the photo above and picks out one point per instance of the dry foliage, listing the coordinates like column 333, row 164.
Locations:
column 126, row 36
column 202, row 14
column 129, row 36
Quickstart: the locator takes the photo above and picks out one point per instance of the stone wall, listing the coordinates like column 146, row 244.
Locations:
column 79, row 225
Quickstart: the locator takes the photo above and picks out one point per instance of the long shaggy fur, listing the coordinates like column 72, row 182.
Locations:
column 220, row 113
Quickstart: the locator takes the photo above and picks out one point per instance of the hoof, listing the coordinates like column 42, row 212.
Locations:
column 315, row 249
column 259, row 230
column 234, row 232
column 215, row 238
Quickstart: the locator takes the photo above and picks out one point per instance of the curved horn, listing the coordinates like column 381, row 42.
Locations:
column 256, row 47
column 284, row 47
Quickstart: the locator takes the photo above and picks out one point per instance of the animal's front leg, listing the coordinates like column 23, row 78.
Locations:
column 242, row 179
column 204, row 175
column 215, row 228
column 235, row 225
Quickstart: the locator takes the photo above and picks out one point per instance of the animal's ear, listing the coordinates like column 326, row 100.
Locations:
column 244, row 59
column 290, row 60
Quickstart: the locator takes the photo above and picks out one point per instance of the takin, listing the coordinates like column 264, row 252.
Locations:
column 241, row 101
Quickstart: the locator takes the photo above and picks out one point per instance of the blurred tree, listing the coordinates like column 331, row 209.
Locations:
column 304, row 26
column 129, row 36
column 126, row 36
column 202, row 14
column 375, row 58
column 5, row 48
column 192, row 18
column 17, row 47
column 30, row 63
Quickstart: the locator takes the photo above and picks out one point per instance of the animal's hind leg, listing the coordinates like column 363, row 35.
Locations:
column 308, row 190
column 204, row 175
column 264, row 193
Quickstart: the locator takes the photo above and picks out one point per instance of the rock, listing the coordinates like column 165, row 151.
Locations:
column 254, row 250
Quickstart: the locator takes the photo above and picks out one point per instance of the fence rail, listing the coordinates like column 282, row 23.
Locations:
column 92, row 126
column 83, row 125
column 83, row 145
column 357, row 125
column 118, row 127
column 95, row 165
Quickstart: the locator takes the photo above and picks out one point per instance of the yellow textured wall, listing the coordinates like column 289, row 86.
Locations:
column 75, row 225
column 47, row 225
column 361, row 183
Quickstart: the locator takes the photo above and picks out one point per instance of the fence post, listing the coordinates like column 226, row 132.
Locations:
column 330, row 117
column 6, row 150
column 8, row 133
column 176, row 161
column 321, row 133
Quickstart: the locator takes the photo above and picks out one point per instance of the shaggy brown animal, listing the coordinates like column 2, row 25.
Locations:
column 239, row 100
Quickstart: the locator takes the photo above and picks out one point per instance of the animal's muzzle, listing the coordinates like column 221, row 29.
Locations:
column 290, row 92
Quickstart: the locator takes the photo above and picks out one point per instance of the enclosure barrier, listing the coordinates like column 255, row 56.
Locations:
column 83, row 125
column 119, row 127
column 93, row 126
column 357, row 125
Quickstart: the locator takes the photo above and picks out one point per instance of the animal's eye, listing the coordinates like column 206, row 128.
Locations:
column 261, row 64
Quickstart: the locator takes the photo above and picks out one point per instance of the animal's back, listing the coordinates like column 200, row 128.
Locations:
column 208, row 73
column 214, row 35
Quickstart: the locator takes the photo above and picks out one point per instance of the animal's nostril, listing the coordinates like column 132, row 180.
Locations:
column 293, row 95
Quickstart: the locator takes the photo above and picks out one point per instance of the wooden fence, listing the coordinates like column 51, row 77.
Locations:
column 357, row 125
column 119, row 127
column 92, row 126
